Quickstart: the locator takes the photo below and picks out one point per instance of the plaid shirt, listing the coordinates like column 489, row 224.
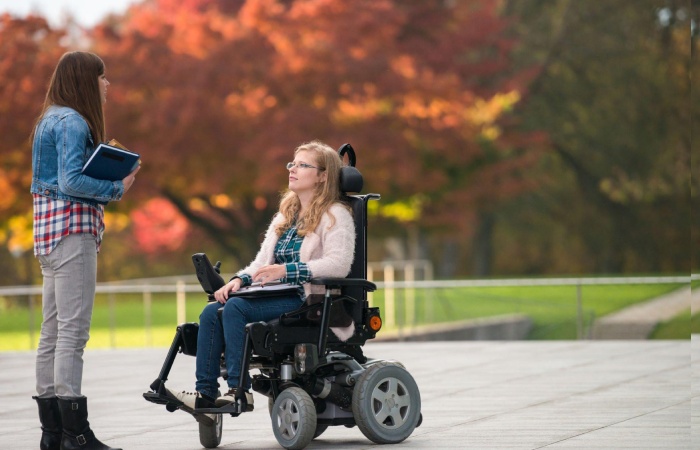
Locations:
column 55, row 219
column 287, row 253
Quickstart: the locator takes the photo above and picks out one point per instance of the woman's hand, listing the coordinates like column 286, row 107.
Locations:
column 232, row 286
column 269, row 273
column 129, row 180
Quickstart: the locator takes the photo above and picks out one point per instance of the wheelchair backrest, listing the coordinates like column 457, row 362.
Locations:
column 351, row 182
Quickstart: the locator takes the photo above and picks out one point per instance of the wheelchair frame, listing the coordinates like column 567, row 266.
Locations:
column 312, row 379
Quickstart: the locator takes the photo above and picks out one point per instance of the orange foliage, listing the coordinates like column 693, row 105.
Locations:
column 158, row 226
column 29, row 49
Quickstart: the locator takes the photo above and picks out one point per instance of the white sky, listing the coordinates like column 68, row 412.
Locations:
column 86, row 12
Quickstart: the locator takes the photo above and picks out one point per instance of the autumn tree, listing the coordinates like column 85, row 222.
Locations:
column 216, row 94
column 29, row 49
column 535, row 137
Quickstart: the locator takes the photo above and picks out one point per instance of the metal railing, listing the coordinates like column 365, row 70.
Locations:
column 181, row 286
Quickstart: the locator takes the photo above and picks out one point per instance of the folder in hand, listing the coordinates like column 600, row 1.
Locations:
column 111, row 161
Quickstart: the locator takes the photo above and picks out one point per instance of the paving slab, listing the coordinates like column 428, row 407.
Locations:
column 475, row 394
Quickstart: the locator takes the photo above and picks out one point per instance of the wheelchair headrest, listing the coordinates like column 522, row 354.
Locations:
column 350, row 177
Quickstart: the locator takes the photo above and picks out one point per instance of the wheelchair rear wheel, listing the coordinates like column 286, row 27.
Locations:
column 294, row 418
column 386, row 403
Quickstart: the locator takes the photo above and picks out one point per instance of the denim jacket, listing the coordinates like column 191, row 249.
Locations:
column 62, row 145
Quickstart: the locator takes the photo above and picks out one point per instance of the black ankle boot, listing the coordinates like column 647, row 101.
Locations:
column 77, row 434
column 50, row 418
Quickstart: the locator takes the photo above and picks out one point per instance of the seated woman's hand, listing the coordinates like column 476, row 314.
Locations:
column 232, row 286
column 273, row 272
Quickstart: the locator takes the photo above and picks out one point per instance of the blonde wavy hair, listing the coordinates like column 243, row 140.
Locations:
column 326, row 193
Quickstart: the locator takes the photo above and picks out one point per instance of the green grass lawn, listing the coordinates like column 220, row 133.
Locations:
column 681, row 326
column 677, row 328
column 124, row 323
column 552, row 308
column 127, row 327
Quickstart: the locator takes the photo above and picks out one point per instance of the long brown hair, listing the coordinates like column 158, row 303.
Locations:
column 74, row 84
column 325, row 195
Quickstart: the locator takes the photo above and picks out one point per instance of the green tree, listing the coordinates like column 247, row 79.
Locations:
column 613, row 98
column 695, row 128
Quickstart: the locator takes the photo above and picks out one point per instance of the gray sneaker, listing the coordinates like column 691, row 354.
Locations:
column 230, row 397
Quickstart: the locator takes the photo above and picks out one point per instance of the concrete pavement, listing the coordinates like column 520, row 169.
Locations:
column 485, row 394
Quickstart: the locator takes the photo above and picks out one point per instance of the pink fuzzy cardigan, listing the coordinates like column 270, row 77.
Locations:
column 328, row 251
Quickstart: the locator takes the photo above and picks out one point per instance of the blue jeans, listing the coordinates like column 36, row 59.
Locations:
column 228, row 333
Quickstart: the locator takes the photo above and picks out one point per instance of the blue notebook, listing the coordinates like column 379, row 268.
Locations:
column 111, row 162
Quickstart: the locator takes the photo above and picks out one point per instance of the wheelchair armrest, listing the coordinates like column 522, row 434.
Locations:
column 333, row 283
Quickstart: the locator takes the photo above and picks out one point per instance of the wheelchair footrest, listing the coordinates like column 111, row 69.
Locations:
column 160, row 399
column 232, row 408
column 172, row 404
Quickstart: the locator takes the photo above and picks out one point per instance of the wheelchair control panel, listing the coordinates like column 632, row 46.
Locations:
column 209, row 275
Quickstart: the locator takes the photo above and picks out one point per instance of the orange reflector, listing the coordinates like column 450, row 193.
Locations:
column 375, row 323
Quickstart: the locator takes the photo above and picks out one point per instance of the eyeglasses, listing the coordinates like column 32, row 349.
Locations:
column 291, row 165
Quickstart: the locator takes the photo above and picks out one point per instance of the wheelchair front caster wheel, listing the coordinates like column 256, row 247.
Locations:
column 294, row 418
column 210, row 433
column 386, row 403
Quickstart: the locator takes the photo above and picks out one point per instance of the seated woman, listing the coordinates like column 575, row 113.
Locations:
column 312, row 235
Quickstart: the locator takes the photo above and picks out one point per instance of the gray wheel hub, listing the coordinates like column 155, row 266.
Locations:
column 289, row 419
column 390, row 403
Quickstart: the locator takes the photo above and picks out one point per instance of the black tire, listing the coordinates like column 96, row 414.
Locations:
column 386, row 403
column 320, row 428
column 210, row 434
column 294, row 418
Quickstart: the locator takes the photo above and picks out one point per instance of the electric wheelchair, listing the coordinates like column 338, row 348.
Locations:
column 312, row 379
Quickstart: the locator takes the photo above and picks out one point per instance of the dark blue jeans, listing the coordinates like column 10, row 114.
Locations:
column 229, row 332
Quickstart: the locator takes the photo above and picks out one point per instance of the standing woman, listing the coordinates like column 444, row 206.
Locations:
column 68, row 227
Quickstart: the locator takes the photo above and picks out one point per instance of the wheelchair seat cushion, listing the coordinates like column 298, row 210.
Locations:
column 341, row 322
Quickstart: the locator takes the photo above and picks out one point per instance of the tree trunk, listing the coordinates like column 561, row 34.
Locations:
column 450, row 257
column 482, row 245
